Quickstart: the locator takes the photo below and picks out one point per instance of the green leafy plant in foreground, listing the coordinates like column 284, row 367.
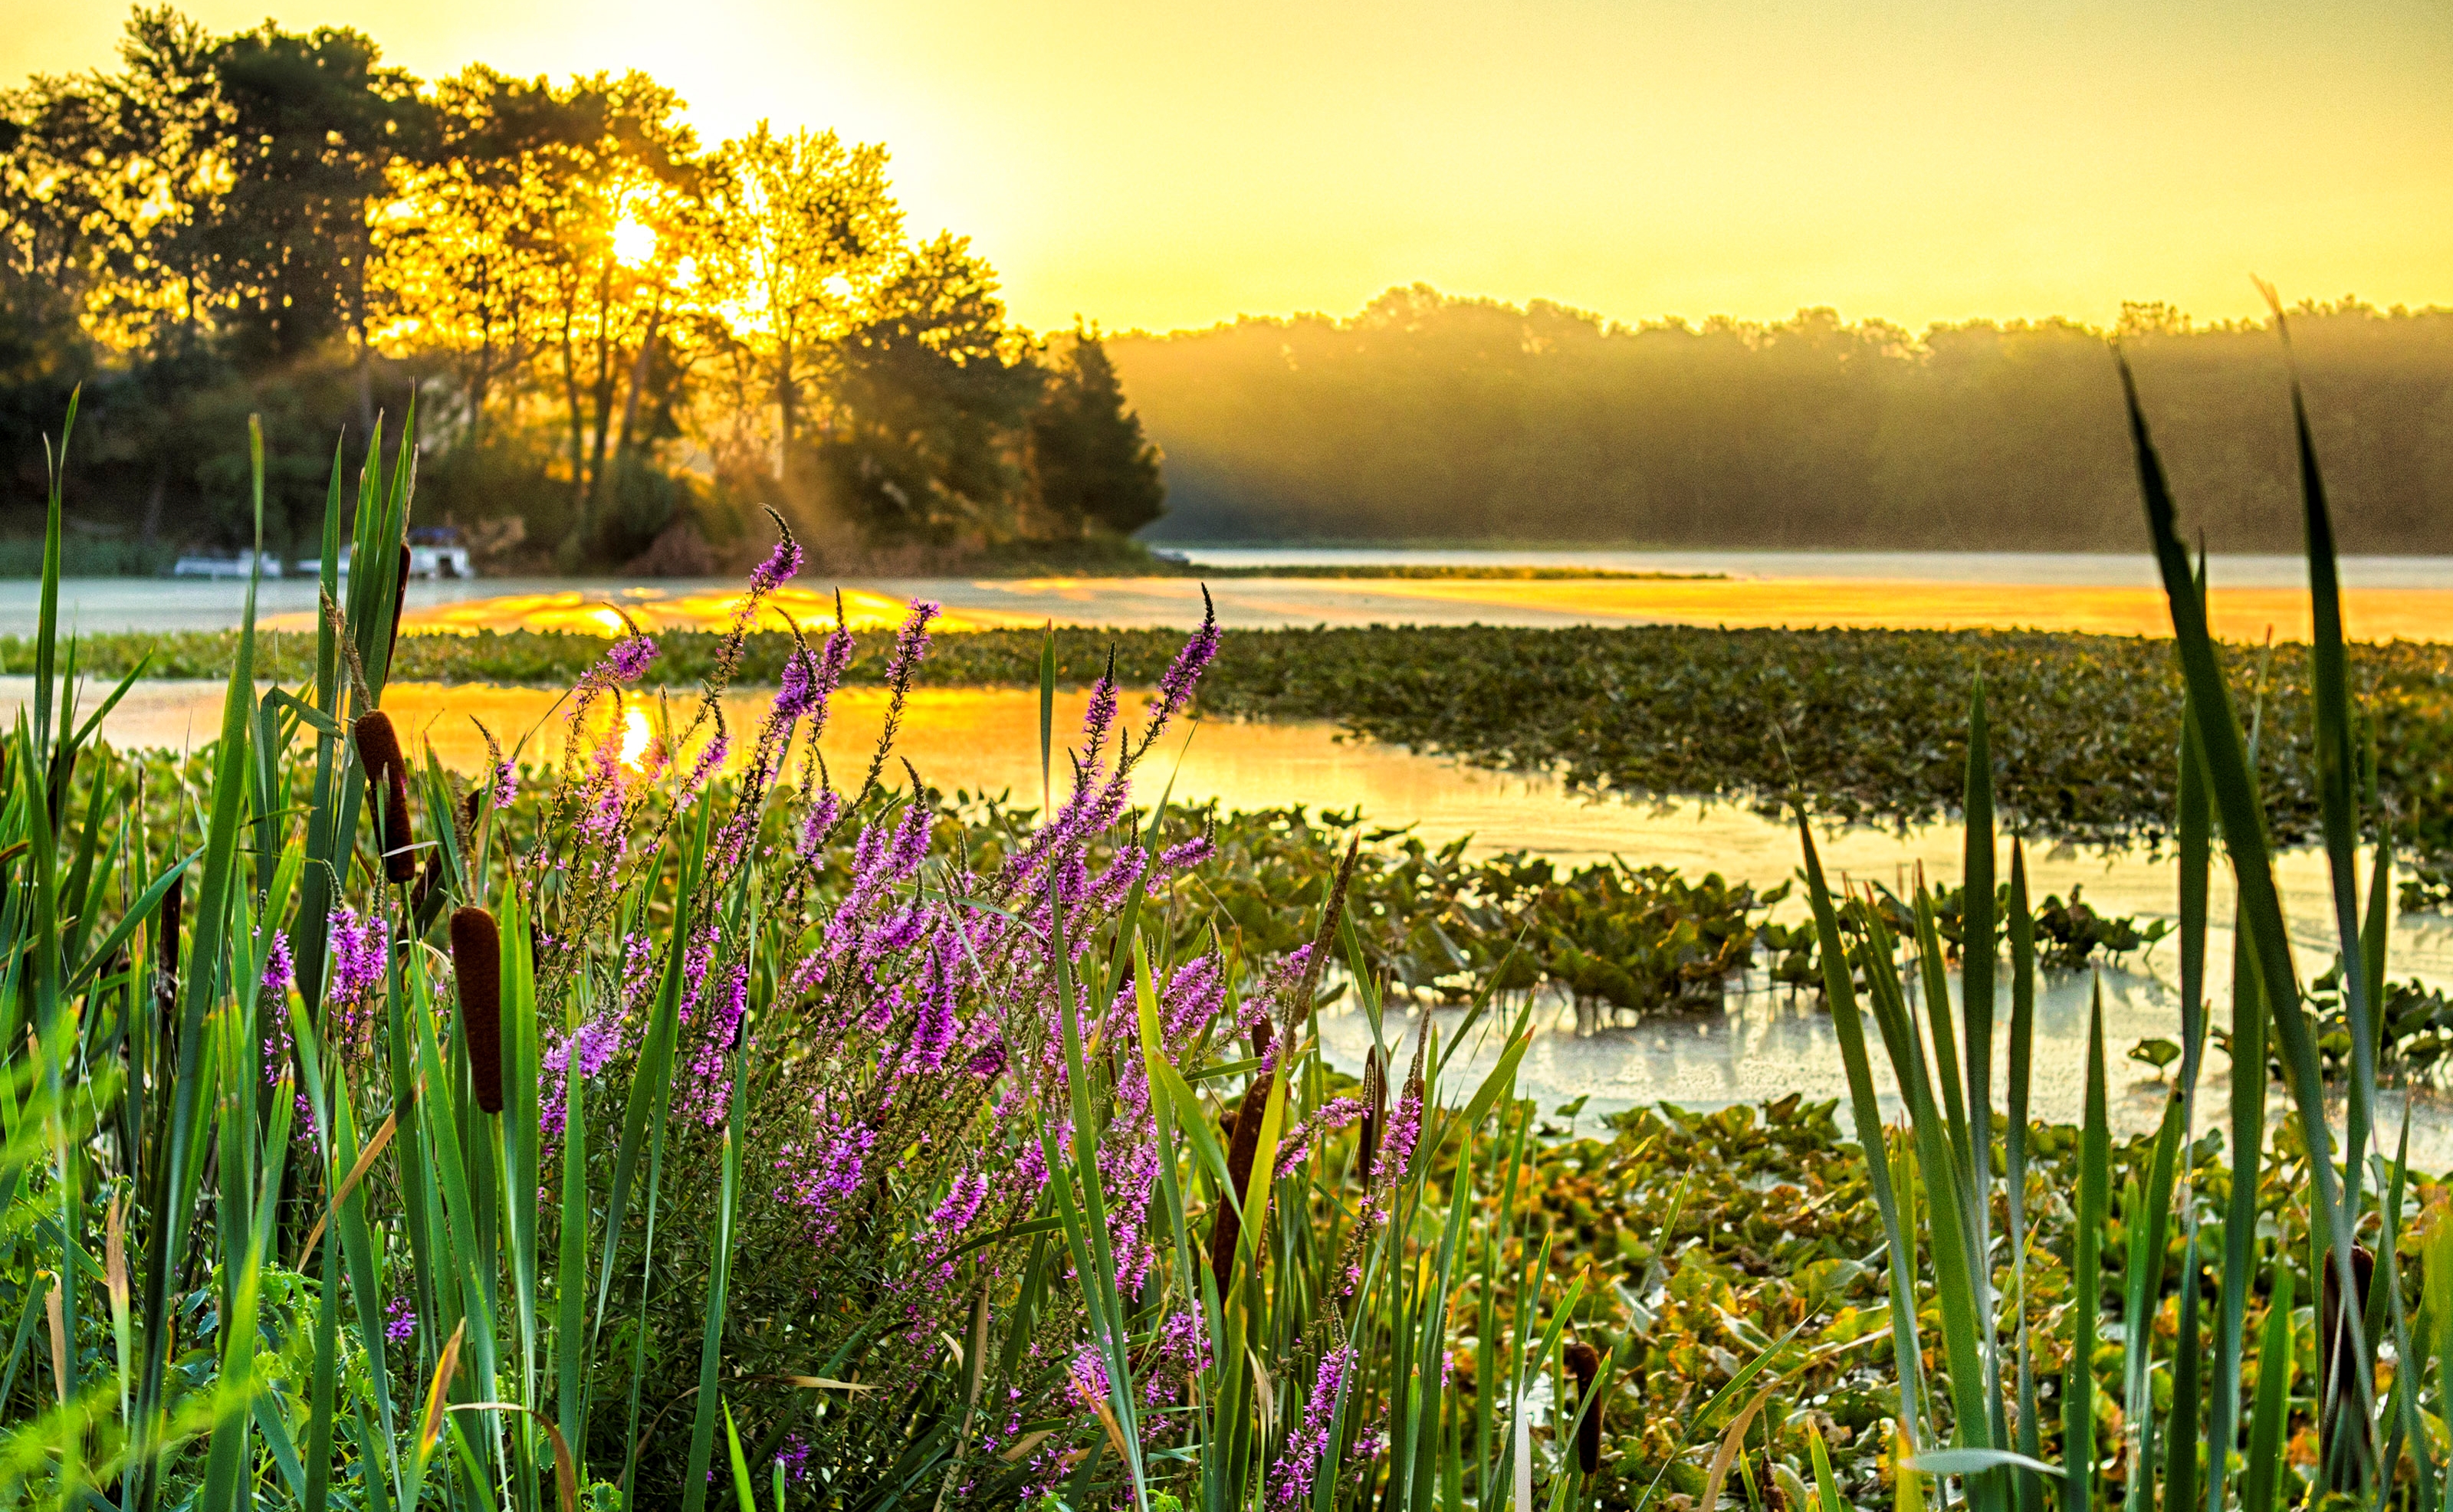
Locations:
column 772, row 1142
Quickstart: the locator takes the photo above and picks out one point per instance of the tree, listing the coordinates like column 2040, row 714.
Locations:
column 1090, row 462
column 805, row 236
column 932, row 393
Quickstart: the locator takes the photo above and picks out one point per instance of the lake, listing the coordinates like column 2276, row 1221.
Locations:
column 1766, row 1044
column 2385, row 597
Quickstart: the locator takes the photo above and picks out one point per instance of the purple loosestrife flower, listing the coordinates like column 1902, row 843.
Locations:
column 400, row 1319
column 1187, row 854
column 599, row 1039
column 911, row 642
column 778, row 570
column 357, row 953
column 1304, row 1453
column 626, row 662
column 277, row 969
column 506, row 784
column 710, row 756
column 820, row 822
column 707, row 1089
column 933, row 1034
column 1334, row 1114
column 797, row 689
column 823, row 1178
column 1175, row 686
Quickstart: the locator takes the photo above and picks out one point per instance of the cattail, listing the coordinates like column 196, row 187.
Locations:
column 387, row 785
column 2337, row 1367
column 1375, row 1109
column 1585, row 1363
column 477, row 965
column 1243, row 1147
column 1260, row 1034
column 166, row 983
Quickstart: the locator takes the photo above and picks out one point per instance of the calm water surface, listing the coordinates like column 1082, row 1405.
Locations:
column 1764, row 1045
column 2409, row 597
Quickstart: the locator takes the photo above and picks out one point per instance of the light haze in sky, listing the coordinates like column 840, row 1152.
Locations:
column 1163, row 166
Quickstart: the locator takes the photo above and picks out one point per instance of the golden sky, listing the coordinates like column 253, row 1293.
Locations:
column 1162, row 165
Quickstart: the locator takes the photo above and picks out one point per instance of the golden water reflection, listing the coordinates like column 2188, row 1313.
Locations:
column 2236, row 613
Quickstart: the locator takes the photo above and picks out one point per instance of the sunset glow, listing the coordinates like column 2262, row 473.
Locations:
column 1916, row 162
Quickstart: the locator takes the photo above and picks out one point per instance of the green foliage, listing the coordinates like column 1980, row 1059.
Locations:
column 637, row 338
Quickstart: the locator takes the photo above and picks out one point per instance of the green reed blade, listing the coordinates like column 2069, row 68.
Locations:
column 571, row 1273
column 2022, row 1047
column 1908, row 1354
column 1094, row 1261
column 651, row 1085
column 2331, row 700
column 180, row 1167
column 2265, row 1468
column 46, row 622
column 2404, row 1409
column 2376, row 932
column 2142, row 1276
column 1933, row 980
column 2239, row 1221
column 322, row 1385
column 710, row 1349
column 1976, row 975
column 1046, row 716
column 519, row 1130
column 2181, row 1460
column 2233, row 785
column 2086, row 1278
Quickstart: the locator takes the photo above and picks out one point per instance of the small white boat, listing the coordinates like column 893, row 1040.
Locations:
column 235, row 565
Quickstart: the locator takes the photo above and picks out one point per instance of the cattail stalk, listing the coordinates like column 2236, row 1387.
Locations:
column 166, row 946
column 477, row 966
column 1242, row 1149
column 2337, row 1367
column 1375, row 1110
column 387, row 788
column 1585, row 1363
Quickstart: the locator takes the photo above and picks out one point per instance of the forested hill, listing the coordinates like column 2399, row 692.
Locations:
column 1430, row 418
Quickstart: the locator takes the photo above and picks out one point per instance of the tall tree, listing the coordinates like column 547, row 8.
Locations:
column 805, row 237
column 933, row 394
column 1092, row 466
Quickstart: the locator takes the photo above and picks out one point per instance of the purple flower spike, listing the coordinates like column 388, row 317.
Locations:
column 1176, row 686
column 778, row 569
column 629, row 660
column 911, row 642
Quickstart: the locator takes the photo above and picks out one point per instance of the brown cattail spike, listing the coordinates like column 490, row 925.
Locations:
column 1260, row 1038
column 477, row 966
column 1243, row 1146
column 2338, row 1382
column 166, row 953
column 1375, row 1111
column 387, row 788
column 1585, row 1363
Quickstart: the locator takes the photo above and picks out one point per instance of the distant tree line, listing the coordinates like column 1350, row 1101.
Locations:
column 620, row 341
column 1433, row 418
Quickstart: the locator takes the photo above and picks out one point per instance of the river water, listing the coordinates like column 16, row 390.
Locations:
column 1764, row 1043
